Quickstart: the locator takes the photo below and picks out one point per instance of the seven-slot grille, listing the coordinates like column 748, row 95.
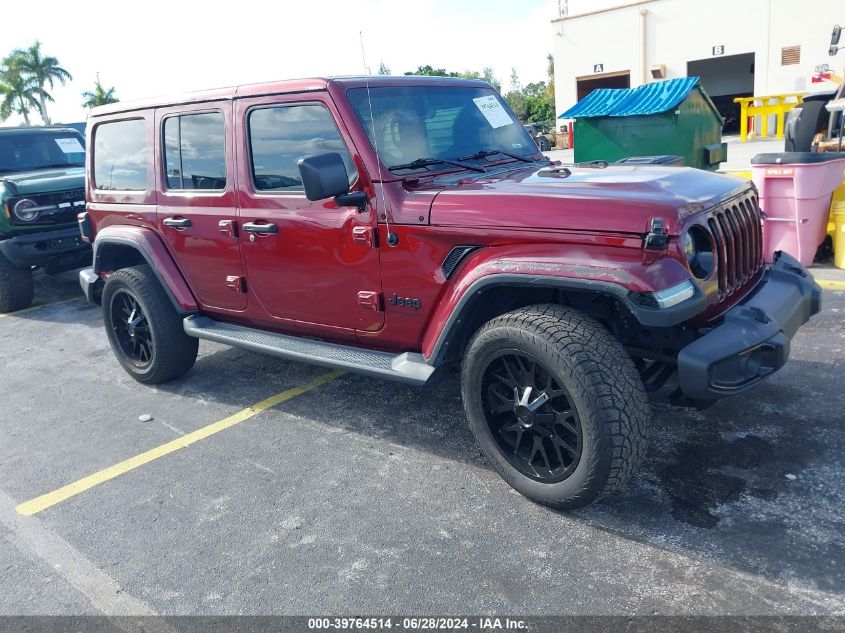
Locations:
column 738, row 242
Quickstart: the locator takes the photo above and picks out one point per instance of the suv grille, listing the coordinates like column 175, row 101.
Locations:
column 738, row 239
column 64, row 206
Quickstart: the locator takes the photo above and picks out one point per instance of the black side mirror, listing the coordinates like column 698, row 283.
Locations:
column 834, row 37
column 323, row 176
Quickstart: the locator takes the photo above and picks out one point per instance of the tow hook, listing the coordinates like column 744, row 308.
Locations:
column 657, row 238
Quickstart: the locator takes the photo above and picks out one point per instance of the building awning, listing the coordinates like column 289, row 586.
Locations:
column 652, row 98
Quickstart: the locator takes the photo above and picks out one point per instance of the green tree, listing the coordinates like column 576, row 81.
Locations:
column 539, row 104
column 485, row 75
column 17, row 90
column 383, row 69
column 550, row 72
column 428, row 71
column 99, row 96
column 516, row 84
column 518, row 103
column 44, row 71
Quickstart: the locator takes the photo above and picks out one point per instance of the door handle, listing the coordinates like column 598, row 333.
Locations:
column 263, row 229
column 177, row 223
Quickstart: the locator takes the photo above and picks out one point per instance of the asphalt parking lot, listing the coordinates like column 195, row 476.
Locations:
column 361, row 496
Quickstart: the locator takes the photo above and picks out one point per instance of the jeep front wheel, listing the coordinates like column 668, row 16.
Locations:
column 16, row 286
column 556, row 404
column 144, row 330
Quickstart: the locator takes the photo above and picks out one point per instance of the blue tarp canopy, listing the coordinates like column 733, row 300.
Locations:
column 653, row 98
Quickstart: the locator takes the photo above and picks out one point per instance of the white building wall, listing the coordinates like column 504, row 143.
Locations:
column 679, row 31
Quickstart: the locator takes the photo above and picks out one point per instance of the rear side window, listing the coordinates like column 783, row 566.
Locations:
column 120, row 155
column 281, row 135
column 195, row 151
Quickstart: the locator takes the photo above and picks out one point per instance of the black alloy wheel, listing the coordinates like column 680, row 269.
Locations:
column 131, row 329
column 555, row 403
column 144, row 329
column 531, row 417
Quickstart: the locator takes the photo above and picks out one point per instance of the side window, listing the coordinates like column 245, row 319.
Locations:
column 195, row 151
column 120, row 155
column 279, row 136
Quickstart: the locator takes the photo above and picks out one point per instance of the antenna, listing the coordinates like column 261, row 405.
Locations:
column 392, row 238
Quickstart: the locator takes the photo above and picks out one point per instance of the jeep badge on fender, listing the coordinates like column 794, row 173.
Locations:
column 408, row 302
column 531, row 276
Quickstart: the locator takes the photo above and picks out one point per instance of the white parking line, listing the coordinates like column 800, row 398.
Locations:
column 30, row 536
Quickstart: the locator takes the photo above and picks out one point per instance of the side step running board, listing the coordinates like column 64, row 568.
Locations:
column 408, row 367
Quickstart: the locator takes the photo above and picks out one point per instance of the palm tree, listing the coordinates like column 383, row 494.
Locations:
column 44, row 71
column 99, row 96
column 17, row 90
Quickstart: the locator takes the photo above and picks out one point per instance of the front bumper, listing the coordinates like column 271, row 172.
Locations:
column 56, row 250
column 91, row 284
column 752, row 342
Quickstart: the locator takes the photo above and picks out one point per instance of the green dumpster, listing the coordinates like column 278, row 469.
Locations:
column 664, row 117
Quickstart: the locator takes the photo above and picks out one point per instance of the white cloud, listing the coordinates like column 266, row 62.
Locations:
column 165, row 46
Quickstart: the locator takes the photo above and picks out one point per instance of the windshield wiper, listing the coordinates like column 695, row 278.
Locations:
column 483, row 153
column 425, row 162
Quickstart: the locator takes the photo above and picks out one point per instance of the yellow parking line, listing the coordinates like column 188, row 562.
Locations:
column 831, row 285
column 38, row 307
column 28, row 508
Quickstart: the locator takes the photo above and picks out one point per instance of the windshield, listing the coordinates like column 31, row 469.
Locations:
column 427, row 122
column 32, row 150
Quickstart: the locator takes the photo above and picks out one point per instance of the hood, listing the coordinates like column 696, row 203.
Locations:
column 44, row 181
column 617, row 198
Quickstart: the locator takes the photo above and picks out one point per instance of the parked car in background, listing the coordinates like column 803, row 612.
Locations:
column 542, row 134
column 42, row 189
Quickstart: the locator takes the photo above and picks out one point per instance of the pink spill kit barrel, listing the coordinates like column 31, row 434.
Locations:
column 795, row 190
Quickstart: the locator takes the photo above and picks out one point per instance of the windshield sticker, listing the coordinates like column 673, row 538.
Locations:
column 70, row 145
column 493, row 111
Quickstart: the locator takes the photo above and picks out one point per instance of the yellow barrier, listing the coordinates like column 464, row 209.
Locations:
column 764, row 107
column 836, row 226
column 837, row 216
column 739, row 173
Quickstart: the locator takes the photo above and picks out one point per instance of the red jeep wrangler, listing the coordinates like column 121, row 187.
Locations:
column 391, row 225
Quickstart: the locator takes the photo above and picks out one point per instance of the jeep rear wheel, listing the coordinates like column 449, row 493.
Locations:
column 556, row 404
column 144, row 330
column 16, row 286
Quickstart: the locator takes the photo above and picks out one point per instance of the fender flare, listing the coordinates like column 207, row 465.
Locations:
column 437, row 338
column 150, row 246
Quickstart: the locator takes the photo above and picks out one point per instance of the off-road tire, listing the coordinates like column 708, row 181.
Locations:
column 544, row 144
column 16, row 286
column 605, row 390
column 173, row 351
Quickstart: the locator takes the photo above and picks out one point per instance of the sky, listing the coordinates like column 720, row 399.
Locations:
column 147, row 48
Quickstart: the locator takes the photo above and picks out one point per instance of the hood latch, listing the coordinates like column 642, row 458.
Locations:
column 657, row 238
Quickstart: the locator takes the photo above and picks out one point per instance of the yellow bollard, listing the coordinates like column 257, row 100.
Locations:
column 837, row 214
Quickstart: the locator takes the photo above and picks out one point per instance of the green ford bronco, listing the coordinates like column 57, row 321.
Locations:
column 42, row 189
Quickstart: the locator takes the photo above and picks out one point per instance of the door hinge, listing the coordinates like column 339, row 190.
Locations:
column 364, row 235
column 370, row 300
column 238, row 284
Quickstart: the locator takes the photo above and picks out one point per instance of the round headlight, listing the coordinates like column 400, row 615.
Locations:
column 698, row 249
column 25, row 210
column 690, row 249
